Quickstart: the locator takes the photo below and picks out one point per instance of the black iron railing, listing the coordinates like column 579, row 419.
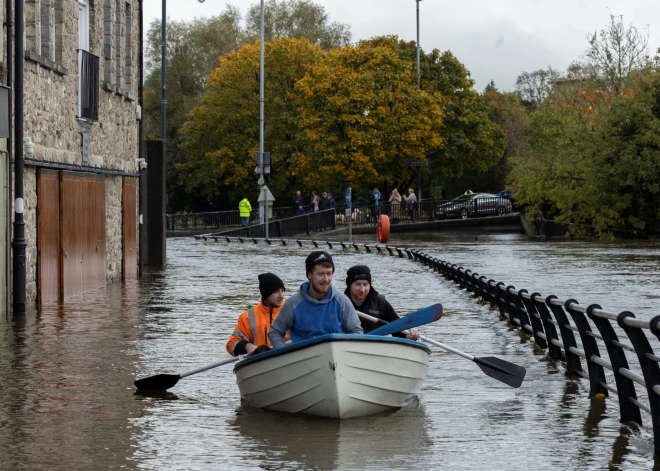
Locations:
column 88, row 85
column 298, row 225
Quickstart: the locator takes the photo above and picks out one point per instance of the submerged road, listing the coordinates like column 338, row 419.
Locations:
column 67, row 401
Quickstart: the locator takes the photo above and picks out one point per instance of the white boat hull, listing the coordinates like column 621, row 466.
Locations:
column 338, row 376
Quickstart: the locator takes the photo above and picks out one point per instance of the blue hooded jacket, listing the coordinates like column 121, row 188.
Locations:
column 306, row 317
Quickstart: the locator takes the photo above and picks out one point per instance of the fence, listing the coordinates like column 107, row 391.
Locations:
column 361, row 213
column 305, row 224
column 547, row 320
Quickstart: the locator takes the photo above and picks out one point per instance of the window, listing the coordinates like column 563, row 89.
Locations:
column 88, row 68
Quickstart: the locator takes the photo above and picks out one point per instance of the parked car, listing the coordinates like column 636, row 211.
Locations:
column 477, row 204
column 505, row 194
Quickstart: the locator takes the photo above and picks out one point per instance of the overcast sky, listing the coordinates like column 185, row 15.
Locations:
column 494, row 38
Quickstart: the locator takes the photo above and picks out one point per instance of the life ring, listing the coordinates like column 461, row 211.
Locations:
column 383, row 230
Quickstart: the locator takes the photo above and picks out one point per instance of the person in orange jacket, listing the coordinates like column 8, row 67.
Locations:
column 251, row 331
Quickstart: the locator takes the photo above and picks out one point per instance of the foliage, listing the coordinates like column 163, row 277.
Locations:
column 364, row 116
column 222, row 134
column 296, row 19
column 193, row 49
column 598, row 164
column 534, row 87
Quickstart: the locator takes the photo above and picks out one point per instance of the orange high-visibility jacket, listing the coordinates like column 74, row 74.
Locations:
column 253, row 326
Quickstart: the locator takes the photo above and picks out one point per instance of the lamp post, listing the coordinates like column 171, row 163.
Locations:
column 419, row 75
column 261, row 112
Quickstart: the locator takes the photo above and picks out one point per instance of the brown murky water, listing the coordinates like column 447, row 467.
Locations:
column 67, row 401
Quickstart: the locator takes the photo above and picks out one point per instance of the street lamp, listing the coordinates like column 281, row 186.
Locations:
column 261, row 115
column 419, row 75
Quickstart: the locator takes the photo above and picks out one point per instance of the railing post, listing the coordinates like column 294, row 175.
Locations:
column 650, row 368
column 549, row 327
column 624, row 386
column 307, row 223
column 596, row 373
column 537, row 325
column 516, row 309
column 573, row 363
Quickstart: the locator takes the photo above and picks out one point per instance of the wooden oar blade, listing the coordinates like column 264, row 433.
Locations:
column 508, row 373
column 157, row 383
column 415, row 319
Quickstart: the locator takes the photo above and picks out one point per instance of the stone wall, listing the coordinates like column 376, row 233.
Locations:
column 51, row 107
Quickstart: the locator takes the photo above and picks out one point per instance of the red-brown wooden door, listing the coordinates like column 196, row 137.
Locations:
column 48, row 236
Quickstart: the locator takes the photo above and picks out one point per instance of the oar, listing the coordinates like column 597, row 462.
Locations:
column 496, row 368
column 415, row 319
column 164, row 381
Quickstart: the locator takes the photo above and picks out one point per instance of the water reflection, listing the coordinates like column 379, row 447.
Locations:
column 283, row 441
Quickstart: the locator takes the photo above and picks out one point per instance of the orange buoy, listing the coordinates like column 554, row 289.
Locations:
column 383, row 231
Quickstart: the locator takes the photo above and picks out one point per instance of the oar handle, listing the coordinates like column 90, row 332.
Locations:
column 214, row 365
column 447, row 347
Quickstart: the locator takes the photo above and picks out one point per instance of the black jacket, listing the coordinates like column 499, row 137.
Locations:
column 324, row 203
column 377, row 306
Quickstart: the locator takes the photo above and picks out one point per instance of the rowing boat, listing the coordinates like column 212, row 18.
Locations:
column 335, row 375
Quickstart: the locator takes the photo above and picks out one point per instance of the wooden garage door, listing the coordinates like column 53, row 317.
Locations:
column 83, row 233
column 48, row 235
column 129, row 230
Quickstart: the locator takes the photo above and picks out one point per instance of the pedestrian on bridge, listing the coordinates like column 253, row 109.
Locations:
column 245, row 208
column 395, row 200
column 411, row 204
column 250, row 335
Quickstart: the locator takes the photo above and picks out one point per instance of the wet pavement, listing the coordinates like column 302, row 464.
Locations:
column 67, row 400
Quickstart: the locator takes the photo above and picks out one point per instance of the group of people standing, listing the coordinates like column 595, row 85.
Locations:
column 316, row 309
column 396, row 199
column 326, row 201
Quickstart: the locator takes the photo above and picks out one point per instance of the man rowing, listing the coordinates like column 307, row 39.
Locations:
column 317, row 308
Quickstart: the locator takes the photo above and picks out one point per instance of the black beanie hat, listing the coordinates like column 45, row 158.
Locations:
column 318, row 257
column 268, row 284
column 358, row 272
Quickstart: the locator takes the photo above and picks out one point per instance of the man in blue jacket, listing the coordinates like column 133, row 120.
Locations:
column 317, row 309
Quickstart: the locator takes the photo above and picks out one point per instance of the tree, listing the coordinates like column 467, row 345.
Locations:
column 615, row 52
column 470, row 141
column 534, row 87
column 193, row 52
column 297, row 19
column 490, row 86
column 222, row 134
column 363, row 116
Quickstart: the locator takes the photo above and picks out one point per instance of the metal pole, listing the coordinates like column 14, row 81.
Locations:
column 18, row 243
column 10, row 140
column 350, row 219
column 163, row 95
column 419, row 192
column 419, row 76
column 261, row 109
column 140, row 137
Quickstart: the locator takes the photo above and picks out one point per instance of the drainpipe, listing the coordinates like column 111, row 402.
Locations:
column 140, row 137
column 10, row 139
column 18, row 242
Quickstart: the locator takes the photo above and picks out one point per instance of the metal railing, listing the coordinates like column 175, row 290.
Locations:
column 548, row 320
column 88, row 85
column 297, row 225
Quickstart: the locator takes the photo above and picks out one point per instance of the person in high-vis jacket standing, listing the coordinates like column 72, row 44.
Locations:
column 251, row 332
column 245, row 208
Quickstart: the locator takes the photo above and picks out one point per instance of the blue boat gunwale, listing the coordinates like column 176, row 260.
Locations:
column 328, row 338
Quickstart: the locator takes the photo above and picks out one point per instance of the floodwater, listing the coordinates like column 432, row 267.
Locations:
column 67, row 400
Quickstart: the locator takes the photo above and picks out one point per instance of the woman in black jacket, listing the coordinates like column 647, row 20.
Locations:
column 366, row 299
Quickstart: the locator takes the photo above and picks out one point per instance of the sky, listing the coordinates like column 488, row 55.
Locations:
column 495, row 39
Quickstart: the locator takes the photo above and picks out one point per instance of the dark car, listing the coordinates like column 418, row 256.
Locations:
column 477, row 204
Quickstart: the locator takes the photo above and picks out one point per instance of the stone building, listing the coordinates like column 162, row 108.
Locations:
column 81, row 111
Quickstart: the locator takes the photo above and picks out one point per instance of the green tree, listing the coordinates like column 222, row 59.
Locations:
column 364, row 116
column 193, row 50
column 222, row 134
column 296, row 19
